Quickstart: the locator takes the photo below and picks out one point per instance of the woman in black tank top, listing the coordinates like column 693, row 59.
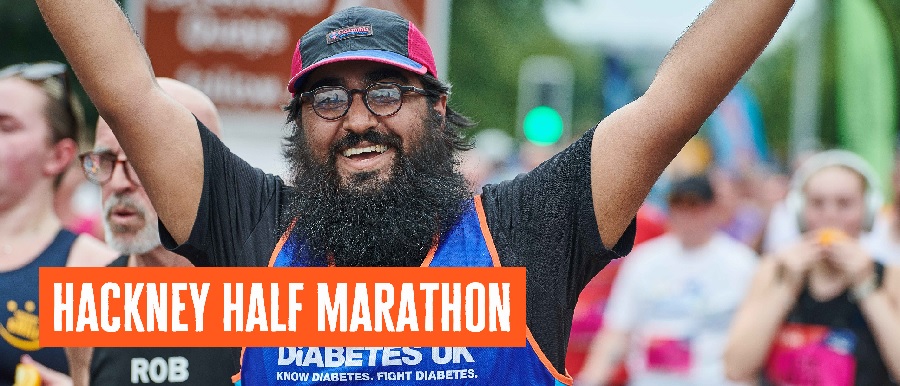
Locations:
column 39, row 123
column 37, row 144
column 822, row 311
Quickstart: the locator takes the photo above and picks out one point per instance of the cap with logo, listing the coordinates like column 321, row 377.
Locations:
column 361, row 33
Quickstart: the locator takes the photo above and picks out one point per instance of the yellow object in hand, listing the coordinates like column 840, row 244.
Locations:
column 27, row 375
column 830, row 236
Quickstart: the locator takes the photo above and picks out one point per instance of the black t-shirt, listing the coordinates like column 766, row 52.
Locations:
column 847, row 330
column 542, row 220
column 188, row 366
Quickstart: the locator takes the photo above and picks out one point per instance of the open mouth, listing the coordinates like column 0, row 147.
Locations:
column 364, row 153
column 123, row 214
column 368, row 153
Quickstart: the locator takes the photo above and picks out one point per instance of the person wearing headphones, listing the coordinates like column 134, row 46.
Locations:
column 822, row 311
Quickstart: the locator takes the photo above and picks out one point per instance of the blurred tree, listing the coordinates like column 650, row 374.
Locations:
column 772, row 76
column 767, row 78
column 891, row 11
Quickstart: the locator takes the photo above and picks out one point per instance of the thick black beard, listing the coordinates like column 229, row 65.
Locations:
column 372, row 222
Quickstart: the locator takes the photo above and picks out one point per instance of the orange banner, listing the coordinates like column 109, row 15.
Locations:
column 258, row 307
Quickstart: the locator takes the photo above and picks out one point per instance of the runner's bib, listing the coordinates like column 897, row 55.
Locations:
column 812, row 355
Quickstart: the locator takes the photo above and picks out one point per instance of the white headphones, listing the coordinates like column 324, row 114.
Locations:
column 796, row 200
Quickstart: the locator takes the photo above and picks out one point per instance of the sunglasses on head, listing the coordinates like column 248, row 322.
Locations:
column 40, row 72
column 35, row 71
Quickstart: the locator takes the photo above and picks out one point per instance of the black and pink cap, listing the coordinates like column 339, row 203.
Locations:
column 361, row 33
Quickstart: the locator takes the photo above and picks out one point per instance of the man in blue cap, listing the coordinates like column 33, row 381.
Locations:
column 374, row 181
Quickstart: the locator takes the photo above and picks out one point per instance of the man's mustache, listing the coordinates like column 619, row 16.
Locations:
column 121, row 201
column 374, row 137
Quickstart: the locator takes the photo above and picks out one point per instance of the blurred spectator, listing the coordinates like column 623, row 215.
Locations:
column 131, row 227
column 673, row 300
column 821, row 311
column 587, row 319
column 746, row 197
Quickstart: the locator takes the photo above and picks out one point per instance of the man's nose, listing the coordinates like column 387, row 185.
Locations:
column 359, row 119
column 833, row 214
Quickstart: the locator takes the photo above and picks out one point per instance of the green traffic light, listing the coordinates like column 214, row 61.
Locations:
column 543, row 126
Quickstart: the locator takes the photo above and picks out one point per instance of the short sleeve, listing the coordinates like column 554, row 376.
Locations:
column 238, row 213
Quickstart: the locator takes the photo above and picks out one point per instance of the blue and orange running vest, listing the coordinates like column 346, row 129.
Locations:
column 467, row 244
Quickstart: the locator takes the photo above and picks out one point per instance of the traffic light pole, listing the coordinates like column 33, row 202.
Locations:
column 545, row 100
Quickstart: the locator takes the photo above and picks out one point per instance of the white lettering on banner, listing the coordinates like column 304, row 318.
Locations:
column 249, row 37
column 62, row 308
column 332, row 357
column 360, row 315
column 256, row 316
column 333, row 309
column 412, row 357
column 454, row 354
column 333, row 312
column 159, row 370
column 87, row 314
column 340, row 377
column 108, row 290
column 441, row 375
column 394, row 375
column 177, row 307
column 132, row 316
column 384, row 300
column 281, row 7
column 450, row 307
column 407, row 317
column 402, row 376
column 291, row 376
column 227, row 86
column 157, row 306
column 381, row 357
column 354, row 356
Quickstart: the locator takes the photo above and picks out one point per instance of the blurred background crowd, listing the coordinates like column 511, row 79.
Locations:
column 536, row 74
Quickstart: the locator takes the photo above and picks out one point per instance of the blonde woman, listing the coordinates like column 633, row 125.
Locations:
column 39, row 124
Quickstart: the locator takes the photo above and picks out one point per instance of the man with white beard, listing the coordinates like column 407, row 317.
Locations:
column 129, row 220
column 131, row 227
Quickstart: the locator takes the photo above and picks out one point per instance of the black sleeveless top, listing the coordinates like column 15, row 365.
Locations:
column 162, row 365
column 19, row 307
column 825, row 343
